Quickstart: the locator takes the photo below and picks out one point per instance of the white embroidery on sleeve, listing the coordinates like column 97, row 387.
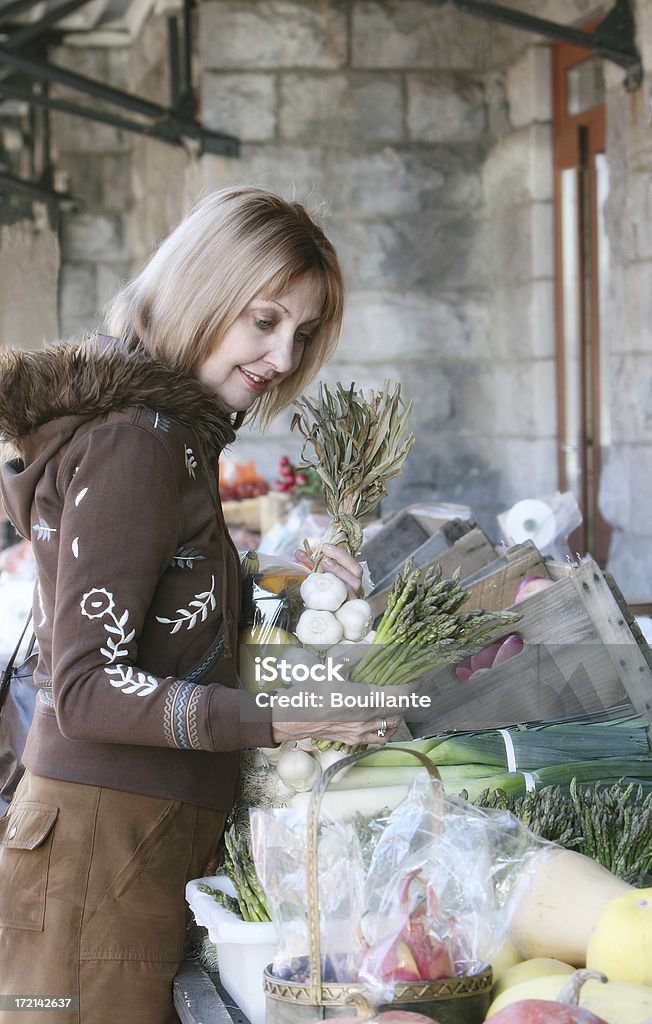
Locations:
column 98, row 603
column 191, row 461
column 202, row 604
column 43, row 531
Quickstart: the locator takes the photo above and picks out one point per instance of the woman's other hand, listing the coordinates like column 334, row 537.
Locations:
column 379, row 729
column 342, row 564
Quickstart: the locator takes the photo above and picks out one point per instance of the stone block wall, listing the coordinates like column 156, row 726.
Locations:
column 421, row 137
column 424, row 135
column 130, row 189
column 377, row 116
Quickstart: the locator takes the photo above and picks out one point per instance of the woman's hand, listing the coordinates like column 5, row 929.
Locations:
column 342, row 564
column 376, row 730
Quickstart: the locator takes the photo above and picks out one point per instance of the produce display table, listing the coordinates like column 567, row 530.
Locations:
column 200, row 999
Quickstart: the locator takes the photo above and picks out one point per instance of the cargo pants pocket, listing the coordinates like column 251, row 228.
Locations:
column 26, row 832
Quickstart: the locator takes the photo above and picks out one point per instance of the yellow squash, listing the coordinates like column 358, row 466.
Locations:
column 621, row 941
column 538, row 967
column 617, row 1002
column 505, row 958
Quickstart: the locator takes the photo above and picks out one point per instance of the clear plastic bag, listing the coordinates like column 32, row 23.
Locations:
column 271, row 606
column 420, row 894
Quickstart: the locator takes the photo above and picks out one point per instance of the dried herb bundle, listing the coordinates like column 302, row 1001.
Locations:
column 359, row 444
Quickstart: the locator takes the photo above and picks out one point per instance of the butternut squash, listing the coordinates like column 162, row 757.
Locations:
column 556, row 903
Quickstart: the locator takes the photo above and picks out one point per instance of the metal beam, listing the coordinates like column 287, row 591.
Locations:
column 8, row 183
column 10, row 10
column 170, row 129
column 24, row 35
column 612, row 40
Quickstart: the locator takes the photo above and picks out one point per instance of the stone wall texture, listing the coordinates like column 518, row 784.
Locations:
column 430, row 167
column 420, row 137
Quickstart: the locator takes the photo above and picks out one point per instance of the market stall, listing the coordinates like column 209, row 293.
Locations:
column 527, row 728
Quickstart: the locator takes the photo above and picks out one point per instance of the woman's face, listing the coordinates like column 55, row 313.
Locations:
column 264, row 345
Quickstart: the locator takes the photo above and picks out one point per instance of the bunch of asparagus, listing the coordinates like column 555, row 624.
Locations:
column 612, row 825
column 422, row 628
column 249, row 903
column 359, row 444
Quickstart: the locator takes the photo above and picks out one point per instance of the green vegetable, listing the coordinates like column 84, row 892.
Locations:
column 223, row 898
column 239, row 867
column 360, row 443
column 611, row 824
column 538, row 747
column 422, row 627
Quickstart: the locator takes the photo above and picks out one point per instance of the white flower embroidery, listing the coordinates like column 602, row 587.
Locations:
column 98, row 603
column 80, row 497
column 75, row 547
column 191, row 462
column 202, row 603
column 43, row 531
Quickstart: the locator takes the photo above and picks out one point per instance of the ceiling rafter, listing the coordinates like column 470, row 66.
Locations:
column 27, row 78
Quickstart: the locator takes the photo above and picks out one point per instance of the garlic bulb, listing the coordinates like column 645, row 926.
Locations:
column 297, row 769
column 331, row 756
column 356, row 617
column 323, row 591
column 319, row 629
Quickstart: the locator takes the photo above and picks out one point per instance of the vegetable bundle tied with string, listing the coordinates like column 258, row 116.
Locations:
column 359, row 444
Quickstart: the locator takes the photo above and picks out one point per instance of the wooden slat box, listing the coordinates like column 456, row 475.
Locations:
column 583, row 653
column 457, row 545
column 494, row 586
column 405, row 531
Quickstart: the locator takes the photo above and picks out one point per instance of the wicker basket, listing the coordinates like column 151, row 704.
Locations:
column 461, row 1000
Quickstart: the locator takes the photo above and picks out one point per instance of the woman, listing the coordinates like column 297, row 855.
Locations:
column 132, row 759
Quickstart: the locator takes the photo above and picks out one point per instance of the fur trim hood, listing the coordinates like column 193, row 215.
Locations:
column 100, row 376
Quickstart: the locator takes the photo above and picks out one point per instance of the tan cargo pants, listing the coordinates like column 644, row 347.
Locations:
column 92, row 903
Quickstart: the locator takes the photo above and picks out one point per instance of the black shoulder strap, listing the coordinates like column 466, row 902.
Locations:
column 6, row 672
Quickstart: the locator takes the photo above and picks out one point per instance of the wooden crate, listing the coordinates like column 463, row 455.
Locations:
column 405, row 531
column 456, row 545
column 583, row 653
column 494, row 586
column 257, row 514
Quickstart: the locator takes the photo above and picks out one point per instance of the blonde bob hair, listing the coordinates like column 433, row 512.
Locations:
column 236, row 244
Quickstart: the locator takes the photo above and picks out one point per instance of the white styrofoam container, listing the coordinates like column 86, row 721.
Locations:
column 244, row 948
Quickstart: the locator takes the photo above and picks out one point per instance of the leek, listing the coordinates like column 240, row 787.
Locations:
column 363, row 777
column 538, row 747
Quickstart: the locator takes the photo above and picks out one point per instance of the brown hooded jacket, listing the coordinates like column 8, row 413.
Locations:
column 115, row 483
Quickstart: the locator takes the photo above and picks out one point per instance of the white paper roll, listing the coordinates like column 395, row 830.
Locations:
column 530, row 519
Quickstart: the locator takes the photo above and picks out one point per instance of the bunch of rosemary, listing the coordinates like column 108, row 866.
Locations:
column 422, row 628
column 359, row 444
